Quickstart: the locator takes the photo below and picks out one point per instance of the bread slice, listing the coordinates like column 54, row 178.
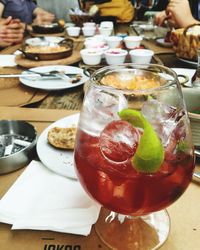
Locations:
column 63, row 138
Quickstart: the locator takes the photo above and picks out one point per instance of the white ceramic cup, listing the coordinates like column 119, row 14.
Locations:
column 105, row 31
column 73, row 31
column 141, row 56
column 132, row 42
column 115, row 56
column 69, row 25
column 108, row 24
column 93, row 42
column 89, row 31
column 113, row 41
column 89, row 24
column 100, row 37
column 91, row 56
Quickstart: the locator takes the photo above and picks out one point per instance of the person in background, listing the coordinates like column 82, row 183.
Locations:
column 59, row 7
column 180, row 13
column 26, row 11
column 159, row 5
column 121, row 10
column 11, row 31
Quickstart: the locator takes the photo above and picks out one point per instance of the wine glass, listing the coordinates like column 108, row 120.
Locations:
column 134, row 153
column 145, row 5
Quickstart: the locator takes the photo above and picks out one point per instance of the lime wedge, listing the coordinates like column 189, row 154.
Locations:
column 149, row 154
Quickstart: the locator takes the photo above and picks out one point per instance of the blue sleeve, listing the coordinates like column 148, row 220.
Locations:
column 32, row 5
column 4, row 2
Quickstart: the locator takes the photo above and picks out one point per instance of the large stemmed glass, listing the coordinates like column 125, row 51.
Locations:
column 134, row 153
column 146, row 5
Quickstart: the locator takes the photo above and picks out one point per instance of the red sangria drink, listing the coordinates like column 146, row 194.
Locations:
column 134, row 152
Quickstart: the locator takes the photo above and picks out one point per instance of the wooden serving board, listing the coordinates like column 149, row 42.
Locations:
column 13, row 93
column 53, row 34
column 27, row 63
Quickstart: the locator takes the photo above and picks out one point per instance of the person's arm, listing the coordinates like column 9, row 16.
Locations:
column 180, row 13
column 42, row 16
column 1, row 9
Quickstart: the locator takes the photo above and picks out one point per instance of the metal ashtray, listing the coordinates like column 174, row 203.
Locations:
column 17, row 144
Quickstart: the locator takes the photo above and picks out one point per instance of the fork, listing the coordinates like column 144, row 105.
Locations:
column 54, row 73
column 70, row 77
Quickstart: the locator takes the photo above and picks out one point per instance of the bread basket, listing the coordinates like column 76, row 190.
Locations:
column 186, row 42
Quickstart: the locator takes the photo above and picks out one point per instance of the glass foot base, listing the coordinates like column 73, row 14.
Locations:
column 134, row 233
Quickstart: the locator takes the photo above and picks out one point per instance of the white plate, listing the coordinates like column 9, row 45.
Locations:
column 46, row 40
column 193, row 63
column 59, row 161
column 187, row 72
column 161, row 42
column 52, row 84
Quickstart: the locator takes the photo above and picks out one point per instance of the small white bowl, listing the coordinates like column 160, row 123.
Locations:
column 114, row 41
column 69, row 25
column 141, row 56
column 89, row 24
column 73, row 31
column 105, row 31
column 100, row 37
column 115, row 56
column 91, row 56
column 106, row 24
column 132, row 42
column 91, row 43
column 89, row 30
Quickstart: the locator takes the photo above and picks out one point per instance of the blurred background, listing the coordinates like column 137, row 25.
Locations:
column 59, row 7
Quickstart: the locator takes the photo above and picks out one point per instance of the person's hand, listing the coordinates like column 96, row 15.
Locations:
column 11, row 31
column 179, row 13
column 160, row 18
column 43, row 17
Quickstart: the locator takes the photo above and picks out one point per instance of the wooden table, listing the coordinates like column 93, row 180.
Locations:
column 184, row 213
column 72, row 98
column 63, row 99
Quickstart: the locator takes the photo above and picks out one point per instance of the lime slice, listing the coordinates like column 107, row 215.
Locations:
column 149, row 154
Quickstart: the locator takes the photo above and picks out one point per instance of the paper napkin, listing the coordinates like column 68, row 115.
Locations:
column 7, row 61
column 43, row 200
